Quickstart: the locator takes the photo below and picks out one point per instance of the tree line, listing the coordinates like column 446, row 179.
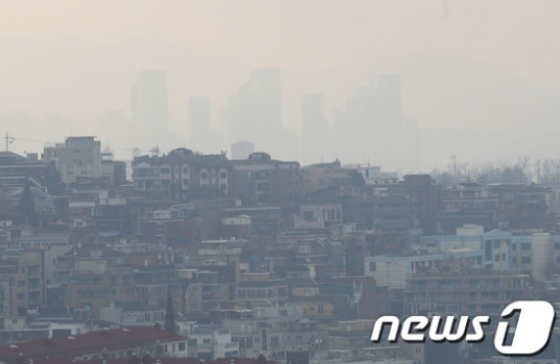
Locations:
column 521, row 170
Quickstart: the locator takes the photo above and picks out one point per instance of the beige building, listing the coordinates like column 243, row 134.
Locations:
column 76, row 157
column 22, row 283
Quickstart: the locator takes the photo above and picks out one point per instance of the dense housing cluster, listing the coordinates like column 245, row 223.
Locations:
column 183, row 257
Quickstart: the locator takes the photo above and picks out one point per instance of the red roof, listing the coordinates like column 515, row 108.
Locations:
column 90, row 343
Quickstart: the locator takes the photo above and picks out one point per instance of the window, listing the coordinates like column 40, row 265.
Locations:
column 204, row 175
column 165, row 170
column 223, row 175
column 181, row 346
column 321, row 309
column 372, row 267
column 185, row 169
column 526, row 260
column 186, row 182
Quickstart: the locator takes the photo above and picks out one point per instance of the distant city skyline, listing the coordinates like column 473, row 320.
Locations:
column 350, row 132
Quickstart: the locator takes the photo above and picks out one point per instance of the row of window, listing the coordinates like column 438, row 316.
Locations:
column 203, row 175
column 261, row 293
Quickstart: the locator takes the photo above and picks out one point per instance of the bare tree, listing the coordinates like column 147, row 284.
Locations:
column 547, row 172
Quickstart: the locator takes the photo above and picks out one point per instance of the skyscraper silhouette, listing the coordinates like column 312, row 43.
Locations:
column 201, row 137
column 149, row 109
column 254, row 114
column 316, row 141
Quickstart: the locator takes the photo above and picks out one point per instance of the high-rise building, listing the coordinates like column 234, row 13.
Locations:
column 371, row 127
column 242, row 150
column 390, row 118
column 357, row 134
column 200, row 135
column 254, row 114
column 265, row 83
column 149, row 109
column 412, row 151
column 315, row 130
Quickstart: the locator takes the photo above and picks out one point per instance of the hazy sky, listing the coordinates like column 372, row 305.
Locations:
column 517, row 36
column 81, row 56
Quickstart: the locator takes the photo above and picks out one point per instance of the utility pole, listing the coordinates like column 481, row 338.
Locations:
column 9, row 140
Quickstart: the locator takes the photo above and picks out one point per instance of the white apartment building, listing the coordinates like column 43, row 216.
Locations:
column 213, row 342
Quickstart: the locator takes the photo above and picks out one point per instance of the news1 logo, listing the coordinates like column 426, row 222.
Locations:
column 532, row 332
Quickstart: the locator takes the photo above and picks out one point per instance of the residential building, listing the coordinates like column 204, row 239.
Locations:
column 391, row 210
column 153, row 282
column 424, row 202
column 113, row 171
column 464, row 292
column 93, row 285
column 272, row 331
column 316, row 177
column 262, row 181
column 180, row 170
column 212, row 342
column 16, row 170
column 324, row 215
column 393, row 271
column 496, row 244
column 254, row 293
column 22, row 282
column 467, row 203
column 76, row 157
